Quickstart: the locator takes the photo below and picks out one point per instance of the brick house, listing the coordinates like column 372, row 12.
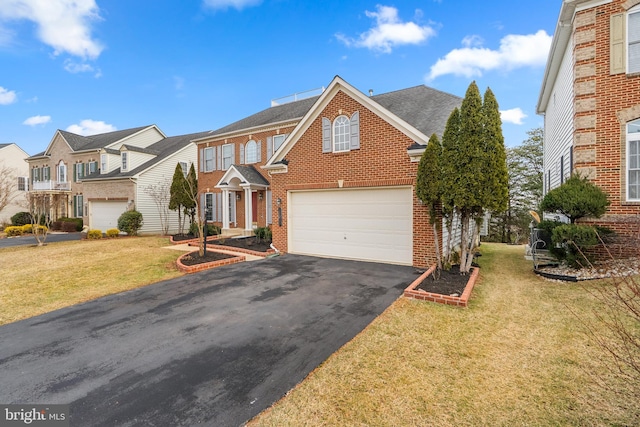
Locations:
column 334, row 175
column 590, row 99
column 99, row 177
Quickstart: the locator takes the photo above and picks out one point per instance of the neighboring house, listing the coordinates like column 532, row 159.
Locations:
column 591, row 104
column 333, row 175
column 99, row 177
column 12, row 160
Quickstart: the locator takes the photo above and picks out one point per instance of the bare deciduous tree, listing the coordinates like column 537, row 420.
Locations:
column 161, row 195
column 40, row 206
column 8, row 186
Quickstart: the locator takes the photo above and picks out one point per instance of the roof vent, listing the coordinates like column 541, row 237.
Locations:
column 370, row 92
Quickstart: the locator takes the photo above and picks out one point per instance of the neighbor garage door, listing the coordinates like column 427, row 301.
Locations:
column 362, row 224
column 104, row 215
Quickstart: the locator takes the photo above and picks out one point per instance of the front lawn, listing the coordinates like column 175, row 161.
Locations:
column 38, row 280
column 516, row 356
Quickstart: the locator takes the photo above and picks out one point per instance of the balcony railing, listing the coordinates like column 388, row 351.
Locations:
column 51, row 185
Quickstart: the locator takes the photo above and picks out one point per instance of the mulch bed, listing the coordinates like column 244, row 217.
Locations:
column 450, row 282
column 251, row 243
column 195, row 259
column 182, row 237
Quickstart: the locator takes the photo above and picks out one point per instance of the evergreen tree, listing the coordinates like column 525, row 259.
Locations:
column 429, row 187
column 191, row 194
column 496, row 175
column 449, row 175
column 177, row 194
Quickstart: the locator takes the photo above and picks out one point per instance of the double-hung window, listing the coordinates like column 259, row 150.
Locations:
column 210, row 208
column 78, row 205
column 79, row 171
column 227, row 156
column 62, row 172
column 209, row 162
column 23, row 183
column 124, row 156
column 184, row 167
column 633, row 160
column 103, row 163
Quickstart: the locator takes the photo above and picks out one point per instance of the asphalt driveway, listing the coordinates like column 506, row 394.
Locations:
column 213, row 348
column 29, row 239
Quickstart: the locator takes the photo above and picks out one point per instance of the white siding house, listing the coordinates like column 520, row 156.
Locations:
column 13, row 158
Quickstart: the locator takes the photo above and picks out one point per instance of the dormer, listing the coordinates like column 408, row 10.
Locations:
column 131, row 157
column 110, row 160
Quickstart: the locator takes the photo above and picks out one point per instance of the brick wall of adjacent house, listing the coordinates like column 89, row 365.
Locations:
column 208, row 180
column 604, row 103
column 381, row 161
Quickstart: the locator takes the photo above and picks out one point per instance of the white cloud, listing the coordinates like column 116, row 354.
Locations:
column 37, row 120
column 236, row 4
column 515, row 51
column 7, row 96
column 514, row 115
column 178, row 82
column 65, row 25
column 389, row 31
column 91, row 127
column 75, row 67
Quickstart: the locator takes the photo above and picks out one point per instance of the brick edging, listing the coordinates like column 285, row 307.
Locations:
column 206, row 265
column 189, row 241
column 241, row 250
column 461, row 301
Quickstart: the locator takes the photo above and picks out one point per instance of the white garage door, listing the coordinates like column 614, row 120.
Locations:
column 104, row 215
column 362, row 224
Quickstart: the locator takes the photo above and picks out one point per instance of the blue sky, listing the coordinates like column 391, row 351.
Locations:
column 92, row 66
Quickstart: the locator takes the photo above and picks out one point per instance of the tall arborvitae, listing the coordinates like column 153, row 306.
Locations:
column 496, row 173
column 177, row 194
column 191, row 189
column 429, row 187
column 469, row 188
column 449, row 173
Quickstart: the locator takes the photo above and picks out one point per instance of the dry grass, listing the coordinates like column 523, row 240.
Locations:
column 517, row 356
column 38, row 280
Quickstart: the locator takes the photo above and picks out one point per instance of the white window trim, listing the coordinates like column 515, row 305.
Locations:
column 273, row 141
column 629, row 139
column 104, row 163
column 79, row 170
column 185, row 168
column 23, row 181
column 334, row 134
column 212, row 159
column 62, row 172
column 224, row 157
column 124, row 158
column 254, row 145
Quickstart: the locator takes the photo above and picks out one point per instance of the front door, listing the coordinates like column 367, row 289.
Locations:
column 254, row 206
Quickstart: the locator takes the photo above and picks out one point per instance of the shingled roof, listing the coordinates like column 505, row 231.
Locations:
column 164, row 148
column 424, row 108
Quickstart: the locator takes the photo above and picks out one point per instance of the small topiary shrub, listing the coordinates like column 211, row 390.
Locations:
column 130, row 222
column 69, row 226
column 21, row 218
column 56, row 225
column 113, row 232
column 575, row 239
column 76, row 221
column 94, row 234
column 27, row 228
column 13, row 231
column 263, row 233
column 212, row 230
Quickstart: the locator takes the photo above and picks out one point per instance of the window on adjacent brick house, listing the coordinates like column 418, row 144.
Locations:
column 251, row 152
column 633, row 160
column 62, row 172
column 633, row 40
column 93, row 167
column 227, row 156
column 209, row 161
column 210, row 207
column 277, row 141
column 78, row 205
column 79, row 167
column 341, row 135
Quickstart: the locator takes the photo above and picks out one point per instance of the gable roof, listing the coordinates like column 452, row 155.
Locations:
column 417, row 112
column 163, row 148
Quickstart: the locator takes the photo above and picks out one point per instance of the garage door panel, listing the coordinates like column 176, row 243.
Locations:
column 105, row 214
column 365, row 224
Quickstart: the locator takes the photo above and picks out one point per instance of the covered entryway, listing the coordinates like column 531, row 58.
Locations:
column 104, row 214
column 370, row 224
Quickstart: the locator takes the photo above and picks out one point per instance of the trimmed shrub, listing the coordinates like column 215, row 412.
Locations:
column 94, row 234
column 263, row 233
column 27, row 228
column 212, row 229
column 575, row 240
column 76, row 221
column 130, row 222
column 56, row 225
column 69, row 226
column 113, row 232
column 576, row 198
column 13, row 231
column 21, row 218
